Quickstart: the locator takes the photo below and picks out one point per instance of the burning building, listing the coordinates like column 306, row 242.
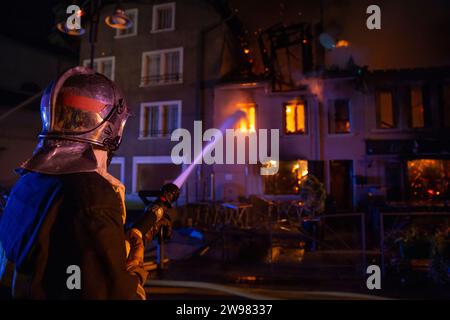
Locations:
column 382, row 136
column 359, row 131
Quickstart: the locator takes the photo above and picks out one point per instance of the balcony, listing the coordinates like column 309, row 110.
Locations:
column 162, row 79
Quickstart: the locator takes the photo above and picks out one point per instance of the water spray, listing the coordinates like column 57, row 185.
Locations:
column 229, row 122
column 169, row 193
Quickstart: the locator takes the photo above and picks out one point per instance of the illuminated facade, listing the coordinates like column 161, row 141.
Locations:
column 352, row 129
column 383, row 139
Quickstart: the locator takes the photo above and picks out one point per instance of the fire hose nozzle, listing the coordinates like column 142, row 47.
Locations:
column 155, row 213
column 169, row 194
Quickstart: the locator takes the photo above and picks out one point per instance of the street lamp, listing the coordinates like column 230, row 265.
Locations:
column 62, row 26
column 119, row 19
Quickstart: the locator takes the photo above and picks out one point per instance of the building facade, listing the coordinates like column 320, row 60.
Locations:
column 383, row 134
column 361, row 133
column 166, row 65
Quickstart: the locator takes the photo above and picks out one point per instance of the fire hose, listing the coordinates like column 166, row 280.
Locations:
column 150, row 223
column 155, row 222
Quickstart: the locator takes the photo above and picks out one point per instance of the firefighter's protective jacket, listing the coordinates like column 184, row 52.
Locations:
column 53, row 222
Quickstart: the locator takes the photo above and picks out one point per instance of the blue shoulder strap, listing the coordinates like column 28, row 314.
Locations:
column 26, row 209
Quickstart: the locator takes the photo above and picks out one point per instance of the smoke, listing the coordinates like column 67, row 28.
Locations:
column 315, row 86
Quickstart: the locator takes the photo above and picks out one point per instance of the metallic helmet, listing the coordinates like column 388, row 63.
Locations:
column 82, row 109
column 84, row 106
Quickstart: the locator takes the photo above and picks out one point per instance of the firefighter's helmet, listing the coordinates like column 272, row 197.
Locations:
column 84, row 106
column 79, row 110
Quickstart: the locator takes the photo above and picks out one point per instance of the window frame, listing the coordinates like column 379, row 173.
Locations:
column 443, row 103
column 395, row 113
column 135, row 25
column 137, row 160
column 427, row 116
column 121, row 162
column 161, row 53
column 155, row 8
column 158, row 104
column 245, row 107
column 306, row 108
column 332, row 103
column 86, row 63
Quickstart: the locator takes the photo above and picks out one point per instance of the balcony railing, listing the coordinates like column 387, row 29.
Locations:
column 155, row 133
column 162, row 79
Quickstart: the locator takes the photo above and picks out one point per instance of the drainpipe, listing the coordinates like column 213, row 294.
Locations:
column 320, row 63
column 95, row 13
column 199, row 88
column 200, row 92
column 317, row 130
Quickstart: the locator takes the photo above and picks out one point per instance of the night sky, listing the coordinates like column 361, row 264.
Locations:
column 30, row 21
column 415, row 33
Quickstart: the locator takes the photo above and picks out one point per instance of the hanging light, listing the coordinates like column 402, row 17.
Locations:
column 119, row 19
column 342, row 44
column 62, row 27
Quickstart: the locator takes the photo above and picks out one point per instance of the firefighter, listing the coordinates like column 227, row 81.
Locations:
column 65, row 216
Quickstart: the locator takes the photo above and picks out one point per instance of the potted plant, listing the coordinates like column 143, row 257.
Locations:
column 415, row 247
column 440, row 259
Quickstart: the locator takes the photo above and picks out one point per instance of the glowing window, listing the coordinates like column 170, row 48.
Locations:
column 385, row 111
column 429, row 179
column 248, row 123
column 288, row 179
column 295, row 118
column 339, row 116
column 417, row 109
column 300, row 169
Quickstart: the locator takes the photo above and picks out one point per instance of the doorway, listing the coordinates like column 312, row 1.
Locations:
column 341, row 184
